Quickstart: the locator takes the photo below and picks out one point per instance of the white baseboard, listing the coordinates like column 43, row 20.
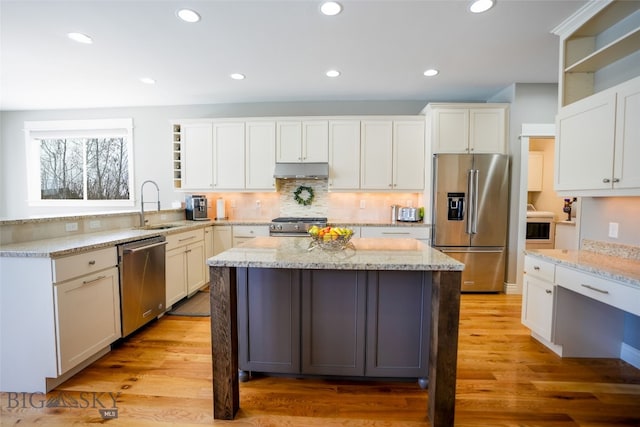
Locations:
column 512, row 289
column 630, row 355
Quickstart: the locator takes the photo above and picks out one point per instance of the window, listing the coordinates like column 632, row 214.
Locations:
column 80, row 162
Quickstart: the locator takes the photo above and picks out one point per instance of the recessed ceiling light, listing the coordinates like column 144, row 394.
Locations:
column 332, row 73
column 331, row 8
column 479, row 6
column 431, row 72
column 237, row 76
column 188, row 15
column 80, row 38
column 147, row 80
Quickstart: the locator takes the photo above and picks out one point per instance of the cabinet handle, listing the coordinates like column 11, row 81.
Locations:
column 606, row 180
column 616, row 179
column 548, row 291
column 593, row 288
column 187, row 251
column 86, row 282
column 92, row 262
column 186, row 238
column 536, row 268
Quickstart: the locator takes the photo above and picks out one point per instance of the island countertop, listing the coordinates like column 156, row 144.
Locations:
column 363, row 254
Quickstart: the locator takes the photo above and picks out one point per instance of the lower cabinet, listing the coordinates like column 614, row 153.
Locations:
column 87, row 316
column 185, row 265
column 334, row 322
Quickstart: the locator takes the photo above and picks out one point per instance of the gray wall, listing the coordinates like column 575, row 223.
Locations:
column 530, row 103
column 152, row 134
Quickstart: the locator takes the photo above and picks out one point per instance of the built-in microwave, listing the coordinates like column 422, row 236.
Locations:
column 540, row 232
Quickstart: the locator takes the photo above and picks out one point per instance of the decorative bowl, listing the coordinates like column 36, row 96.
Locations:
column 333, row 242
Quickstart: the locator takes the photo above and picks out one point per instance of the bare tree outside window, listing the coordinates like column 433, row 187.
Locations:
column 63, row 163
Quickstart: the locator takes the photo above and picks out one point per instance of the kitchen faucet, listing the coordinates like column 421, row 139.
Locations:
column 142, row 220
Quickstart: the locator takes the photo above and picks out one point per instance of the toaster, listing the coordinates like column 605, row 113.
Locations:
column 409, row 214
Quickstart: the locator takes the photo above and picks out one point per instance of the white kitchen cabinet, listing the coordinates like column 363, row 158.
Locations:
column 392, row 155
column 260, row 152
column 185, row 264
column 344, row 155
column 229, row 156
column 599, row 143
column 222, row 238
column 302, row 141
column 243, row 233
column 536, row 168
column 468, row 128
column 397, row 232
column 87, row 316
column 196, row 154
column 538, row 297
column 208, row 250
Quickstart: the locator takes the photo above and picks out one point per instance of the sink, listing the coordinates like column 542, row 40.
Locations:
column 159, row 226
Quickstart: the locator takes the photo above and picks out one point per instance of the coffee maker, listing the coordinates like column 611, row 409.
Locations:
column 196, row 207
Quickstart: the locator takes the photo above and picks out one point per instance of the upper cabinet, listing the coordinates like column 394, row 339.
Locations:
column 196, row 156
column 302, row 141
column 599, row 48
column 228, row 156
column 599, row 143
column 392, row 155
column 260, row 155
column 344, row 154
column 599, row 95
column 468, row 128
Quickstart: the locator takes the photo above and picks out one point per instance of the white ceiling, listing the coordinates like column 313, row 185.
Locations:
column 283, row 47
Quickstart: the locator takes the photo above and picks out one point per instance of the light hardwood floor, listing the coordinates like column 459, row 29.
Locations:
column 505, row 378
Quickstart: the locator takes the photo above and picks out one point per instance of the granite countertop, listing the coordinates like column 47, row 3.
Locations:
column 625, row 270
column 366, row 254
column 61, row 246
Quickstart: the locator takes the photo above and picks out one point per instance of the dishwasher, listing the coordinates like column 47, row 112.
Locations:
column 142, row 282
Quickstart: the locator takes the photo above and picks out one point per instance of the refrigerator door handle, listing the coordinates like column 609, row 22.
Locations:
column 474, row 228
column 469, row 224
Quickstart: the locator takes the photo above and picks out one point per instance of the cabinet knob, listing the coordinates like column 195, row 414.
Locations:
column 606, row 180
column 548, row 291
column 92, row 262
column 616, row 179
column 536, row 268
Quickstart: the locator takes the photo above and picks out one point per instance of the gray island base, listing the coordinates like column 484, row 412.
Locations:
column 307, row 284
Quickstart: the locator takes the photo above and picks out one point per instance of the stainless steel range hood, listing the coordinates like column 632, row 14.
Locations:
column 301, row 170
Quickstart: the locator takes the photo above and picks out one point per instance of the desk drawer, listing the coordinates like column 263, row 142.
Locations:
column 68, row 267
column 535, row 266
column 615, row 294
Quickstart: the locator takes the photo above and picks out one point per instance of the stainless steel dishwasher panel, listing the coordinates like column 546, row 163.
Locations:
column 142, row 282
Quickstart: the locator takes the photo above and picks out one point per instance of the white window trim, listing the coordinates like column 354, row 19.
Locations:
column 33, row 128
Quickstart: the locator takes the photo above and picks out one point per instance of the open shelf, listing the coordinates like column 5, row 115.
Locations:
column 614, row 51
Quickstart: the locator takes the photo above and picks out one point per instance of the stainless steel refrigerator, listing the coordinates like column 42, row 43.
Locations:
column 470, row 213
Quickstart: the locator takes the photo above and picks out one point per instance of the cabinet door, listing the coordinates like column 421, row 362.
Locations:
column 260, row 155
column 87, row 316
column 315, row 141
column 627, row 149
column 333, row 322
column 535, row 172
column 376, row 170
column 197, row 156
column 398, row 323
column 176, row 273
column 344, row 155
column 208, row 250
column 289, row 141
column 487, row 130
column 222, row 238
column 228, row 143
column 538, row 306
column 269, row 320
column 408, row 155
column 450, row 130
column 195, row 263
column 585, row 145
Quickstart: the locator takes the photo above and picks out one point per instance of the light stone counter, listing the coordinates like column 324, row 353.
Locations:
column 366, row 254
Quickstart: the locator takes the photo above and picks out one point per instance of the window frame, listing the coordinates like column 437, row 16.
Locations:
column 35, row 131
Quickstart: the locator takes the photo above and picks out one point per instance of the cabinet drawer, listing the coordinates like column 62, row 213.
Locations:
column 615, row 294
column 542, row 269
column 396, row 232
column 85, row 263
column 185, row 238
column 250, row 230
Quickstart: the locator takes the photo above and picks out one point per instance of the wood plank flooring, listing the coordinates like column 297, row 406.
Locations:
column 162, row 376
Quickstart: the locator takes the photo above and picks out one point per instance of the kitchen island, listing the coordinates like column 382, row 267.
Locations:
column 393, row 257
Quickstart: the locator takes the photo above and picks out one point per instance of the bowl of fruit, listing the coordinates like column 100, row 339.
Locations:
column 331, row 238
